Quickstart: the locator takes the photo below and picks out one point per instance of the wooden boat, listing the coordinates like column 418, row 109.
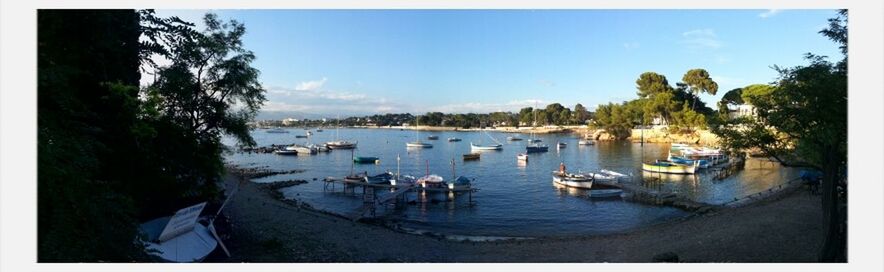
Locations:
column 605, row 193
column 585, row 142
column 341, row 145
column 513, row 138
column 417, row 138
column 285, row 152
column 680, row 160
column 432, row 137
column 670, row 167
column 572, row 180
column 486, row 147
column 454, row 139
column 471, row 156
column 365, row 159
column 522, row 157
column 302, row 150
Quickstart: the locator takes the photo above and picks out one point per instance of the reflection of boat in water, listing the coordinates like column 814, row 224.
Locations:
column 660, row 166
column 665, row 177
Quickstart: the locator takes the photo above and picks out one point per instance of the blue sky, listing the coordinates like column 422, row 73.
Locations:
column 348, row 62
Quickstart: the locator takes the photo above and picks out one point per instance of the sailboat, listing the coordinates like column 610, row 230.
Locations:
column 534, row 144
column 497, row 146
column 340, row 144
column 417, row 139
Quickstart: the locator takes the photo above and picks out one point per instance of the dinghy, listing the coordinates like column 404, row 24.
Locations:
column 572, row 180
column 471, row 156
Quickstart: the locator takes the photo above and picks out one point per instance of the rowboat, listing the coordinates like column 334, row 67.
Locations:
column 418, row 144
column 454, row 139
column 341, row 145
column 680, row 160
column 670, row 167
column 471, row 156
column 432, row 137
column 486, row 147
column 513, row 138
column 585, row 142
column 365, row 159
column 318, row 130
column 358, row 177
column 572, row 180
column 605, row 193
column 285, row 152
column 522, row 157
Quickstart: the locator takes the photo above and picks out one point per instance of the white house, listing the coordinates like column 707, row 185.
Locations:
column 744, row 110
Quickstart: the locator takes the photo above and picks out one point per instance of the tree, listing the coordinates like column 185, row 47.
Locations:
column 580, row 114
column 802, row 122
column 752, row 94
column 698, row 81
column 650, row 83
column 730, row 98
column 526, row 115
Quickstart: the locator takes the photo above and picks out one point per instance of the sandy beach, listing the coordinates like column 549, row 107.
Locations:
column 781, row 228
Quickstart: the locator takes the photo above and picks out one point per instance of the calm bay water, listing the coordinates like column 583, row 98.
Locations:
column 513, row 199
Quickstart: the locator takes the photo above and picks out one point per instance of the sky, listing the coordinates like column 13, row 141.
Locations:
column 360, row 62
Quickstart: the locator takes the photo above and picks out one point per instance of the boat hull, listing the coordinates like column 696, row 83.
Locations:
column 534, row 149
column 486, row 147
column 584, row 183
column 418, row 145
column 669, row 168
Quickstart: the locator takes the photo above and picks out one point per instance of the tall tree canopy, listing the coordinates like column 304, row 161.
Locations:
column 802, row 122
column 698, row 81
column 650, row 83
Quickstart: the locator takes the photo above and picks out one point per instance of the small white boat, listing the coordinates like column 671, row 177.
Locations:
column 522, row 157
column 309, row 133
column 302, row 150
column 612, row 173
column 341, row 145
column 534, row 141
column 585, row 142
column 572, row 180
column 318, row 148
column 431, row 181
column 418, row 144
column 285, row 152
column 486, row 147
column 561, row 145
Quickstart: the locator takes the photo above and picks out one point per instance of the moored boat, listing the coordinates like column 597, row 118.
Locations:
column 302, row 150
column 605, row 193
column 432, row 137
column 700, row 162
column 471, row 156
column 585, row 142
column 285, row 152
column 572, row 180
column 537, row 147
column 460, row 182
column 366, row 159
column 454, row 139
column 341, row 145
column 522, row 157
column 431, row 181
column 561, row 145
column 513, row 138
column 300, row 136
column 417, row 138
column 382, row 178
column 670, row 167
column 486, row 147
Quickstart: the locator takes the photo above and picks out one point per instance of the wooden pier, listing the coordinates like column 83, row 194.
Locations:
column 398, row 194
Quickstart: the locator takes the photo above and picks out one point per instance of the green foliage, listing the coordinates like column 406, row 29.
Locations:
column 698, row 81
column 650, row 83
column 754, row 94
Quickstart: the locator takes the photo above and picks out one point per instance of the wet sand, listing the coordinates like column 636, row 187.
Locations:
column 782, row 228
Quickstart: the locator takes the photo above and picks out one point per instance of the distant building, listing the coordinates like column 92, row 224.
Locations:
column 744, row 110
column 289, row 121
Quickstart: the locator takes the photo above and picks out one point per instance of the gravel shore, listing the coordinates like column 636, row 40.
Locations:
column 782, row 228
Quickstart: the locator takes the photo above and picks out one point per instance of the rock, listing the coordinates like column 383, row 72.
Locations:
column 667, row 257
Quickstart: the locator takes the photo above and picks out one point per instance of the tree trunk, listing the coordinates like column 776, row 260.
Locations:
column 835, row 241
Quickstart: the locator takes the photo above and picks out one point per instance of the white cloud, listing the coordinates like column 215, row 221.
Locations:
column 477, row 107
column 311, row 85
column 701, row 38
column 547, row 83
column 769, row 13
column 631, row 45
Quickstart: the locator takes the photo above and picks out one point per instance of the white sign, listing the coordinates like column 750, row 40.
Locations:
column 182, row 222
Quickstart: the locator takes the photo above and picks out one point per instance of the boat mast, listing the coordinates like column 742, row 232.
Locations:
column 397, row 166
column 352, row 161
column 453, row 173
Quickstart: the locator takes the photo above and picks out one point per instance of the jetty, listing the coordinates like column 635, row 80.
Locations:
column 398, row 194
